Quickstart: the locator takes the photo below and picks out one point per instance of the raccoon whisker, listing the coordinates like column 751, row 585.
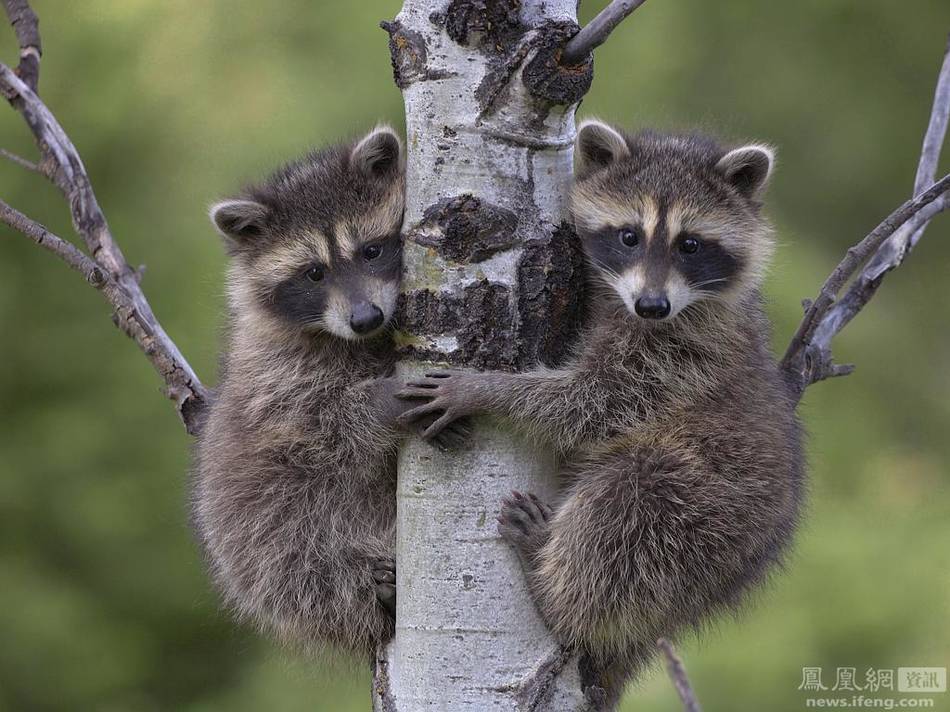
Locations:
column 604, row 269
column 708, row 282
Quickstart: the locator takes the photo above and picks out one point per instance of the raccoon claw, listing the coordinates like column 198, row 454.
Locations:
column 455, row 436
column 523, row 523
column 446, row 416
column 384, row 579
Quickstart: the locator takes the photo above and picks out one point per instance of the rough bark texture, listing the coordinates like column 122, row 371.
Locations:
column 492, row 281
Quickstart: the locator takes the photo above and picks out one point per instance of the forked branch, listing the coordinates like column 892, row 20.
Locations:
column 808, row 358
column 61, row 164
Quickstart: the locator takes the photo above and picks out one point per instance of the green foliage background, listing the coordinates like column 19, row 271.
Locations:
column 103, row 602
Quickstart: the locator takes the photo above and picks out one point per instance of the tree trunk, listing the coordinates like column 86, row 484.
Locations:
column 492, row 281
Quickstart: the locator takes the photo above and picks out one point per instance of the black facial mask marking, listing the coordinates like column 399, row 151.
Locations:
column 607, row 252
column 300, row 300
column 709, row 269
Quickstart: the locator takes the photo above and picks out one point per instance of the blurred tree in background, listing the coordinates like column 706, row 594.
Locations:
column 103, row 602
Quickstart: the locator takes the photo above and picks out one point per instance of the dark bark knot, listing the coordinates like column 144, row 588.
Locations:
column 481, row 318
column 546, row 78
column 490, row 24
column 407, row 52
column 551, row 296
column 466, row 229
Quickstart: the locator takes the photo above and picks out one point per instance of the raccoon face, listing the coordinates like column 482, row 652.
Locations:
column 669, row 221
column 317, row 247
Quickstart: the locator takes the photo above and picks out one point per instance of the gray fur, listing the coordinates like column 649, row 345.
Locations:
column 682, row 466
column 294, row 482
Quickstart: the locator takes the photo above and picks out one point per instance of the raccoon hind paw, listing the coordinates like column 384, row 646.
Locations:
column 384, row 581
column 523, row 523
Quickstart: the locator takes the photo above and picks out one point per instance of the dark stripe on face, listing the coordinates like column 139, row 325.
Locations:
column 710, row 269
column 656, row 269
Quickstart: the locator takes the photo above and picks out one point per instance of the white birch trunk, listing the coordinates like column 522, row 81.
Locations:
column 490, row 281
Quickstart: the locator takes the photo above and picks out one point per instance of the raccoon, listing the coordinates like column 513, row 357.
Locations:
column 294, row 481
column 682, row 468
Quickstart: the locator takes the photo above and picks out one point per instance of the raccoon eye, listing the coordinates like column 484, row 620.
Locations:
column 629, row 236
column 690, row 246
column 371, row 252
column 314, row 274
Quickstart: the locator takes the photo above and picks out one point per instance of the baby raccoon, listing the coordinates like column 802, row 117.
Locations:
column 682, row 473
column 294, row 489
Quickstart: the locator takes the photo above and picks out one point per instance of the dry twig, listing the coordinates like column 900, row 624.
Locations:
column 674, row 666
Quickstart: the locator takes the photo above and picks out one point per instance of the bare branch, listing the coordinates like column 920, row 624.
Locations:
column 799, row 361
column 809, row 358
column 191, row 396
column 63, row 166
column 889, row 256
column 20, row 161
column 596, row 31
column 895, row 250
column 677, row 672
column 65, row 250
column 936, row 128
column 26, row 25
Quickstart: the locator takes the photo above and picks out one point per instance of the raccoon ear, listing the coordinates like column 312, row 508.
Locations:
column 239, row 221
column 378, row 154
column 747, row 168
column 597, row 146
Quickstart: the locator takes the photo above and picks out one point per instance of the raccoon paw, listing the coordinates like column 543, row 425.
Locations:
column 384, row 580
column 523, row 523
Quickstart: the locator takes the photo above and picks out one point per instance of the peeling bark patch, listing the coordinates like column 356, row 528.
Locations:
column 482, row 320
column 486, row 339
column 490, row 332
column 472, row 230
column 487, row 23
column 551, row 297
column 407, row 51
column 498, row 76
column 425, row 312
column 546, row 78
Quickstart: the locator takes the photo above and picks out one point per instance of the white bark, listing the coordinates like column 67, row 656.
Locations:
column 467, row 633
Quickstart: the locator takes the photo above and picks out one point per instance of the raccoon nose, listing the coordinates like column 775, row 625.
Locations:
column 365, row 318
column 652, row 307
